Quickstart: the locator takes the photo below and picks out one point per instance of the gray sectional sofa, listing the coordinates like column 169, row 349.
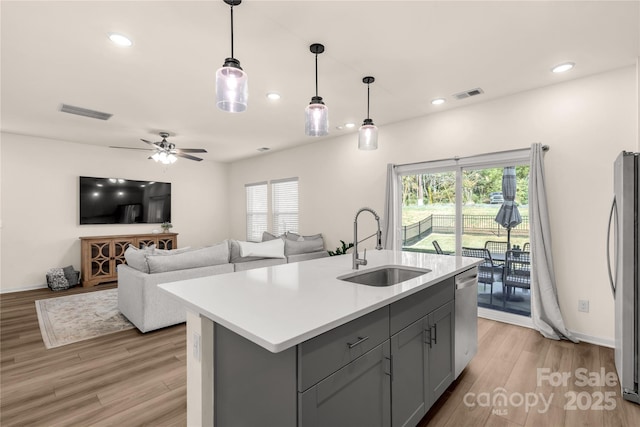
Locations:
column 140, row 300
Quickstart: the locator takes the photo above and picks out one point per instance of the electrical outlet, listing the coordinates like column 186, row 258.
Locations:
column 196, row 346
column 583, row 305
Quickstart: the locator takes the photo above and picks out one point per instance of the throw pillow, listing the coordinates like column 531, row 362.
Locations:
column 234, row 253
column 296, row 247
column 296, row 237
column 266, row 236
column 268, row 249
column 71, row 275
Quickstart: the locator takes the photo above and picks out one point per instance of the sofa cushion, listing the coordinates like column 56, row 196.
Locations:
column 210, row 255
column 269, row 249
column 172, row 251
column 136, row 258
column 296, row 247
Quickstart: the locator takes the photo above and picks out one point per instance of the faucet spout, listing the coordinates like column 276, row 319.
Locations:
column 357, row 262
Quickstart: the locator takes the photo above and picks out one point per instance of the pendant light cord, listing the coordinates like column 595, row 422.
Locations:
column 316, row 74
column 368, row 101
column 232, row 30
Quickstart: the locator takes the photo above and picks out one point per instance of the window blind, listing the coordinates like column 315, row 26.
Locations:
column 284, row 205
column 257, row 211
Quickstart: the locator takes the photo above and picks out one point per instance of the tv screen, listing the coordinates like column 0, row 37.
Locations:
column 124, row 201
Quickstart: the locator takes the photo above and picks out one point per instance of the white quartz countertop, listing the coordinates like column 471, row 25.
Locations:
column 281, row 306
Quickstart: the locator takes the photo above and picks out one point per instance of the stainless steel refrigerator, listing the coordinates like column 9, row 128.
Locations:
column 623, row 259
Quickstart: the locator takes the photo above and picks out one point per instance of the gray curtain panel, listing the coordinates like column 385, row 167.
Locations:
column 389, row 235
column 545, row 310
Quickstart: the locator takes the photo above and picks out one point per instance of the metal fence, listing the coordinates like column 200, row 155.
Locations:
column 472, row 224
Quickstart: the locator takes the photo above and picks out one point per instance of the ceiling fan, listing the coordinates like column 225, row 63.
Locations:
column 166, row 152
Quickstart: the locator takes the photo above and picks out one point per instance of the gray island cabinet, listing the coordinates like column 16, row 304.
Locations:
column 385, row 365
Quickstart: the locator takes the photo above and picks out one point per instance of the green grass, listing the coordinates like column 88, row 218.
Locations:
column 413, row 214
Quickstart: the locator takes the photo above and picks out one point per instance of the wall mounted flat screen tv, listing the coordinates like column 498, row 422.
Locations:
column 124, row 201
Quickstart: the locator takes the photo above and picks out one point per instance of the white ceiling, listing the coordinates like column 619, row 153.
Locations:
column 57, row 52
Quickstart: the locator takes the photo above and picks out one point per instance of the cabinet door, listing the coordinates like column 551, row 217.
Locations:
column 99, row 259
column 117, row 253
column 358, row 395
column 410, row 362
column 441, row 351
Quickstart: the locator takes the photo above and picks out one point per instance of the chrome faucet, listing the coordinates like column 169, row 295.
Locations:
column 357, row 262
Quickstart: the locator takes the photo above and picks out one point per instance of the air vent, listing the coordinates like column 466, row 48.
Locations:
column 66, row 108
column 468, row 93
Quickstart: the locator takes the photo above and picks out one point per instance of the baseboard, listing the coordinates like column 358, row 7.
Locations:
column 504, row 317
column 604, row 342
column 30, row 288
column 526, row 322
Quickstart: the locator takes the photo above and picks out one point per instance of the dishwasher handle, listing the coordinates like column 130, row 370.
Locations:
column 466, row 282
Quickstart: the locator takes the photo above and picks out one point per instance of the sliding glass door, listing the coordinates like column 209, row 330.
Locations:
column 449, row 207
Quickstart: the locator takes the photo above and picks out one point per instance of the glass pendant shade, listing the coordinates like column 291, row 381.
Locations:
column 232, row 87
column 368, row 133
column 317, row 118
column 368, row 136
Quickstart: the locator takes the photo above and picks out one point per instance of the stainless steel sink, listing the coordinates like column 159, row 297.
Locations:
column 387, row 275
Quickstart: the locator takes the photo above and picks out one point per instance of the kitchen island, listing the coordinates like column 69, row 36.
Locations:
column 293, row 345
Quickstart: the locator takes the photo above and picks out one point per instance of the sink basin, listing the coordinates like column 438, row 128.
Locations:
column 388, row 275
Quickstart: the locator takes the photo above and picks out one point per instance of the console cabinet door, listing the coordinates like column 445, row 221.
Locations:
column 441, row 351
column 358, row 395
column 410, row 360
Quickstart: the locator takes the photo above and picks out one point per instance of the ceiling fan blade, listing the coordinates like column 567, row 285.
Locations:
column 132, row 148
column 191, row 150
column 186, row 156
column 155, row 144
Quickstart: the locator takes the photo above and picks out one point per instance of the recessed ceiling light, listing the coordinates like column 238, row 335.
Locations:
column 120, row 40
column 438, row 101
column 561, row 68
column 349, row 125
column 273, row 96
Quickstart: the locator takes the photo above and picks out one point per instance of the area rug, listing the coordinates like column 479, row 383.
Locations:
column 73, row 318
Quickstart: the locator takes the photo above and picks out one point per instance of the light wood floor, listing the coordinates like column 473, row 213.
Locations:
column 134, row 379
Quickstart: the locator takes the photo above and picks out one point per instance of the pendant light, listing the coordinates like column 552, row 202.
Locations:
column 317, row 114
column 368, row 133
column 232, row 89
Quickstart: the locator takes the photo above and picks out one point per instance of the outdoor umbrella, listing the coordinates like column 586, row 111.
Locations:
column 508, row 215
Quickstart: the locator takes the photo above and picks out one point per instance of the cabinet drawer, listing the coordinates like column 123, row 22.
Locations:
column 406, row 311
column 323, row 355
column 356, row 395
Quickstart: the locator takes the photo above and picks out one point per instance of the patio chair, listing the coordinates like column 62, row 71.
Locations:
column 438, row 248
column 497, row 250
column 488, row 271
column 526, row 247
column 517, row 273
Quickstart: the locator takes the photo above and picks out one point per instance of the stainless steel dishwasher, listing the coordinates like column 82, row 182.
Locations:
column 466, row 320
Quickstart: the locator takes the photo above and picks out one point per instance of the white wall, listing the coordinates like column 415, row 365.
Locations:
column 586, row 122
column 40, row 211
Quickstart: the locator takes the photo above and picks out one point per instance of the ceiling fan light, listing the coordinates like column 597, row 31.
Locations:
column 156, row 156
column 317, row 118
column 368, row 137
column 171, row 159
column 232, row 87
